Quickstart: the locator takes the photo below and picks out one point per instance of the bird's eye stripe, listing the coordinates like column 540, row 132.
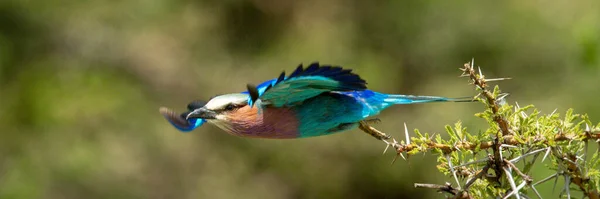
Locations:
column 230, row 107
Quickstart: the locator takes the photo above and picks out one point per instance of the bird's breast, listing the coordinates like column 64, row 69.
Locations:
column 277, row 123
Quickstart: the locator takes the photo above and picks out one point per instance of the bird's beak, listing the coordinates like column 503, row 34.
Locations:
column 202, row 113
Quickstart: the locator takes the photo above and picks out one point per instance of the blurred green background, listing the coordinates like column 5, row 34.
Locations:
column 81, row 83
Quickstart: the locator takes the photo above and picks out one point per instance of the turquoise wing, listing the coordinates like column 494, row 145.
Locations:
column 304, row 83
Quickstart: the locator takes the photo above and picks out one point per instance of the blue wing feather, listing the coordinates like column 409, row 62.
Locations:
column 305, row 83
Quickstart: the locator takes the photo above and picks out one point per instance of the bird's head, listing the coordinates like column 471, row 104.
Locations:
column 220, row 109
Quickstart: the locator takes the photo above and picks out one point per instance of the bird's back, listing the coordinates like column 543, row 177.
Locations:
column 336, row 111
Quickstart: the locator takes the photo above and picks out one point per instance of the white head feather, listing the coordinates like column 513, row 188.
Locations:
column 222, row 101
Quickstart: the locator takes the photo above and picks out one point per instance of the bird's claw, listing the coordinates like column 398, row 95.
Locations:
column 373, row 121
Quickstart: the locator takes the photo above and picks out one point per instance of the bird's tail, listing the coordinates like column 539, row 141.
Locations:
column 413, row 99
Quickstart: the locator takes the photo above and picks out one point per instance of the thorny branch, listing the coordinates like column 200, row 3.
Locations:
column 507, row 136
column 480, row 81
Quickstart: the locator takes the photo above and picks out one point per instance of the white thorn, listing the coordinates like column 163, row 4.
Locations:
column 502, row 96
column 498, row 79
column 522, row 113
column 401, row 155
column 580, row 157
column 480, row 73
column 546, row 155
column 553, row 111
column 523, row 195
column 567, row 183
column 511, row 181
column 587, row 128
column 546, row 179
column 472, row 62
column 536, row 192
column 388, row 144
column 452, row 170
column 508, row 146
column 386, row 147
column 525, row 155
column 570, row 161
column 406, row 134
column 516, row 192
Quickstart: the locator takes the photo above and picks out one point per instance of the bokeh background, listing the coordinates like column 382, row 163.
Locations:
column 81, row 83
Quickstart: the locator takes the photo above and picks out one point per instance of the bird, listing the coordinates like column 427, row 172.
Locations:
column 312, row 101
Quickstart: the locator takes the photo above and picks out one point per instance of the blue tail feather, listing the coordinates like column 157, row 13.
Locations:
column 374, row 102
column 413, row 99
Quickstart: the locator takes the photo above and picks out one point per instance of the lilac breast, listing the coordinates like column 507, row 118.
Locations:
column 276, row 123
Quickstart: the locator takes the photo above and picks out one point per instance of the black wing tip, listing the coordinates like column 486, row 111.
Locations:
column 253, row 91
column 348, row 79
column 196, row 104
column 281, row 77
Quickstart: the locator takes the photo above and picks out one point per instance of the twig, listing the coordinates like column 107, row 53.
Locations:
column 447, row 188
column 468, row 70
column 477, row 176
column 526, row 178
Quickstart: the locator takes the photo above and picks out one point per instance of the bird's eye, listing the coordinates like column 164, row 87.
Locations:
column 229, row 107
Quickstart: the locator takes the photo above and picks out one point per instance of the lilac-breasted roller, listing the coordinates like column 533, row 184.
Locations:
column 312, row 101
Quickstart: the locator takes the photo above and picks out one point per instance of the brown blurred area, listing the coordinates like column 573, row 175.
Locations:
column 81, row 83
